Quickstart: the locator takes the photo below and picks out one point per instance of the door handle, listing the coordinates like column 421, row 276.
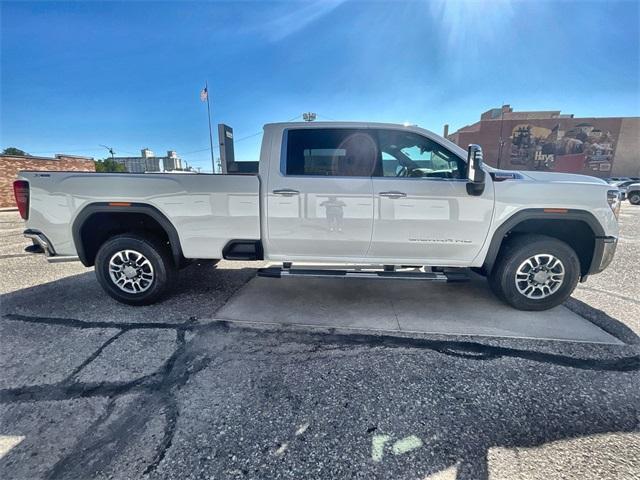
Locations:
column 286, row 192
column 393, row 194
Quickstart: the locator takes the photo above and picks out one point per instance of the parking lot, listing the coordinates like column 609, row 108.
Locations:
column 231, row 378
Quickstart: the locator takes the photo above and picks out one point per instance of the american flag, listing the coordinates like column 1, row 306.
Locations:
column 204, row 94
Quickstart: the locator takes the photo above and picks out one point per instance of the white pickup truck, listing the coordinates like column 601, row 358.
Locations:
column 372, row 198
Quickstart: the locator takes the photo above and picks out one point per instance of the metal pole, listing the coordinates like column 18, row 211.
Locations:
column 213, row 163
column 500, row 144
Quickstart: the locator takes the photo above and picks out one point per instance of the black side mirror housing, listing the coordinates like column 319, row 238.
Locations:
column 475, row 173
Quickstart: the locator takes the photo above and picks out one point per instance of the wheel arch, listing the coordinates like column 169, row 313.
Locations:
column 120, row 217
column 578, row 228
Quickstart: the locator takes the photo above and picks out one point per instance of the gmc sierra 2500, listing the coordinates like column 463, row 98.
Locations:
column 374, row 195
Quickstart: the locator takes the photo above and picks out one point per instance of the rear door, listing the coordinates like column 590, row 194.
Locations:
column 320, row 199
column 422, row 211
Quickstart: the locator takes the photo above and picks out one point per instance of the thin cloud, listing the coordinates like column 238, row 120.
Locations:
column 465, row 22
column 295, row 17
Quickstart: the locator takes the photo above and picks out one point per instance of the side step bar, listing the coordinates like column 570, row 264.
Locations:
column 446, row 276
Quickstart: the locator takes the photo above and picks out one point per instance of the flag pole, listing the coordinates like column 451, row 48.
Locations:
column 213, row 162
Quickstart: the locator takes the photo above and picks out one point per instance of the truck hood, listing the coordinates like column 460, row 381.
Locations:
column 550, row 177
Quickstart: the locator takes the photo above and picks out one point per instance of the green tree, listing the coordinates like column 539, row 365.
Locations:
column 14, row 151
column 109, row 165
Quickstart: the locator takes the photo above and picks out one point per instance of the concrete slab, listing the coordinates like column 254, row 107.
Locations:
column 400, row 305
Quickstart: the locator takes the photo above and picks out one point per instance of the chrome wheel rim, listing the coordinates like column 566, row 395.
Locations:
column 131, row 271
column 540, row 276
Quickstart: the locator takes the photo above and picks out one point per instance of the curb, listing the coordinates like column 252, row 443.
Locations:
column 602, row 320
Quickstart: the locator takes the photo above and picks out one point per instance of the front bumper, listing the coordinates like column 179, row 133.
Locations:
column 603, row 254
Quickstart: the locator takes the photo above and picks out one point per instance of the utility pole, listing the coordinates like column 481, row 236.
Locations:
column 206, row 94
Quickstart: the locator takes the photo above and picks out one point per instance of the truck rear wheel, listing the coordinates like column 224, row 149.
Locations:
column 535, row 272
column 134, row 270
column 634, row 198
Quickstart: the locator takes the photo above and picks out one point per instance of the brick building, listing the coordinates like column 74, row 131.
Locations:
column 552, row 141
column 10, row 165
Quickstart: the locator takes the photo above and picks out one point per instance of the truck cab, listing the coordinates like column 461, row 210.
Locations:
column 372, row 193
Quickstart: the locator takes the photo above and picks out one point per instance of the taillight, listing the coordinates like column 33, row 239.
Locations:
column 21, row 192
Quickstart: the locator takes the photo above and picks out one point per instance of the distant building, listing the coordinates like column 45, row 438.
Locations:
column 148, row 162
column 172, row 161
column 10, row 165
column 552, row 141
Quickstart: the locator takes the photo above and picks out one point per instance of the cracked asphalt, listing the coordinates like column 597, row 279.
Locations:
column 94, row 389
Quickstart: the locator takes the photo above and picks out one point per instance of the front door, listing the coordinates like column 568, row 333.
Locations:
column 422, row 211
column 320, row 199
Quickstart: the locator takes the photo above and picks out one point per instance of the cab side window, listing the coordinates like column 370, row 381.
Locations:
column 336, row 152
column 407, row 154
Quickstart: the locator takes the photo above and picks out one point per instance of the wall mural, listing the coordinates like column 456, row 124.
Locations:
column 582, row 148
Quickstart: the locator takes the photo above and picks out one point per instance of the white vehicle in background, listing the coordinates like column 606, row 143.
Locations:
column 375, row 196
column 633, row 193
column 623, row 185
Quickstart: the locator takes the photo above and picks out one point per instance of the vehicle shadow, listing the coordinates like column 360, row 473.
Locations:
column 199, row 292
column 202, row 289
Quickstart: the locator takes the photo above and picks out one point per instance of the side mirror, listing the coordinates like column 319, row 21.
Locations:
column 475, row 173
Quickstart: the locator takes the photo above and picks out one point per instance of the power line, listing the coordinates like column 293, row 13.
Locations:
column 68, row 150
column 326, row 118
column 73, row 150
column 218, row 148
column 215, row 147
column 248, row 137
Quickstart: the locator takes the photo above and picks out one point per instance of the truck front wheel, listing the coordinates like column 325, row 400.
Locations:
column 535, row 272
column 134, row 270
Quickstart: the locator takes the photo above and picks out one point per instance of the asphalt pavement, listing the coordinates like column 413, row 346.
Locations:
column 94, row 389
column 616, row 291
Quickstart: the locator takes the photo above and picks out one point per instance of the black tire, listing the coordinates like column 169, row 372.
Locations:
column 515, row 252
column 164, row 269
column 634, row 198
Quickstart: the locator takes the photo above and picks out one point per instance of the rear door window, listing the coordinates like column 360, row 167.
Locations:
column 334, row 152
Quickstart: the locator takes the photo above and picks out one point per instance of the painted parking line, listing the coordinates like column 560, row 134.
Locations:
column 8, row 442
column 399, row 447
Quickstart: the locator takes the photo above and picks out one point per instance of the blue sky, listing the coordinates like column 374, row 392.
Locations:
column 75, row 75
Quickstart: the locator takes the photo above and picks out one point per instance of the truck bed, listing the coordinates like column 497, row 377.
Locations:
column 207, row 210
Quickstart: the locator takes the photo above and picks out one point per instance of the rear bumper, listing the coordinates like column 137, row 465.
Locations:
column 603, row 254
column 40, row 240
